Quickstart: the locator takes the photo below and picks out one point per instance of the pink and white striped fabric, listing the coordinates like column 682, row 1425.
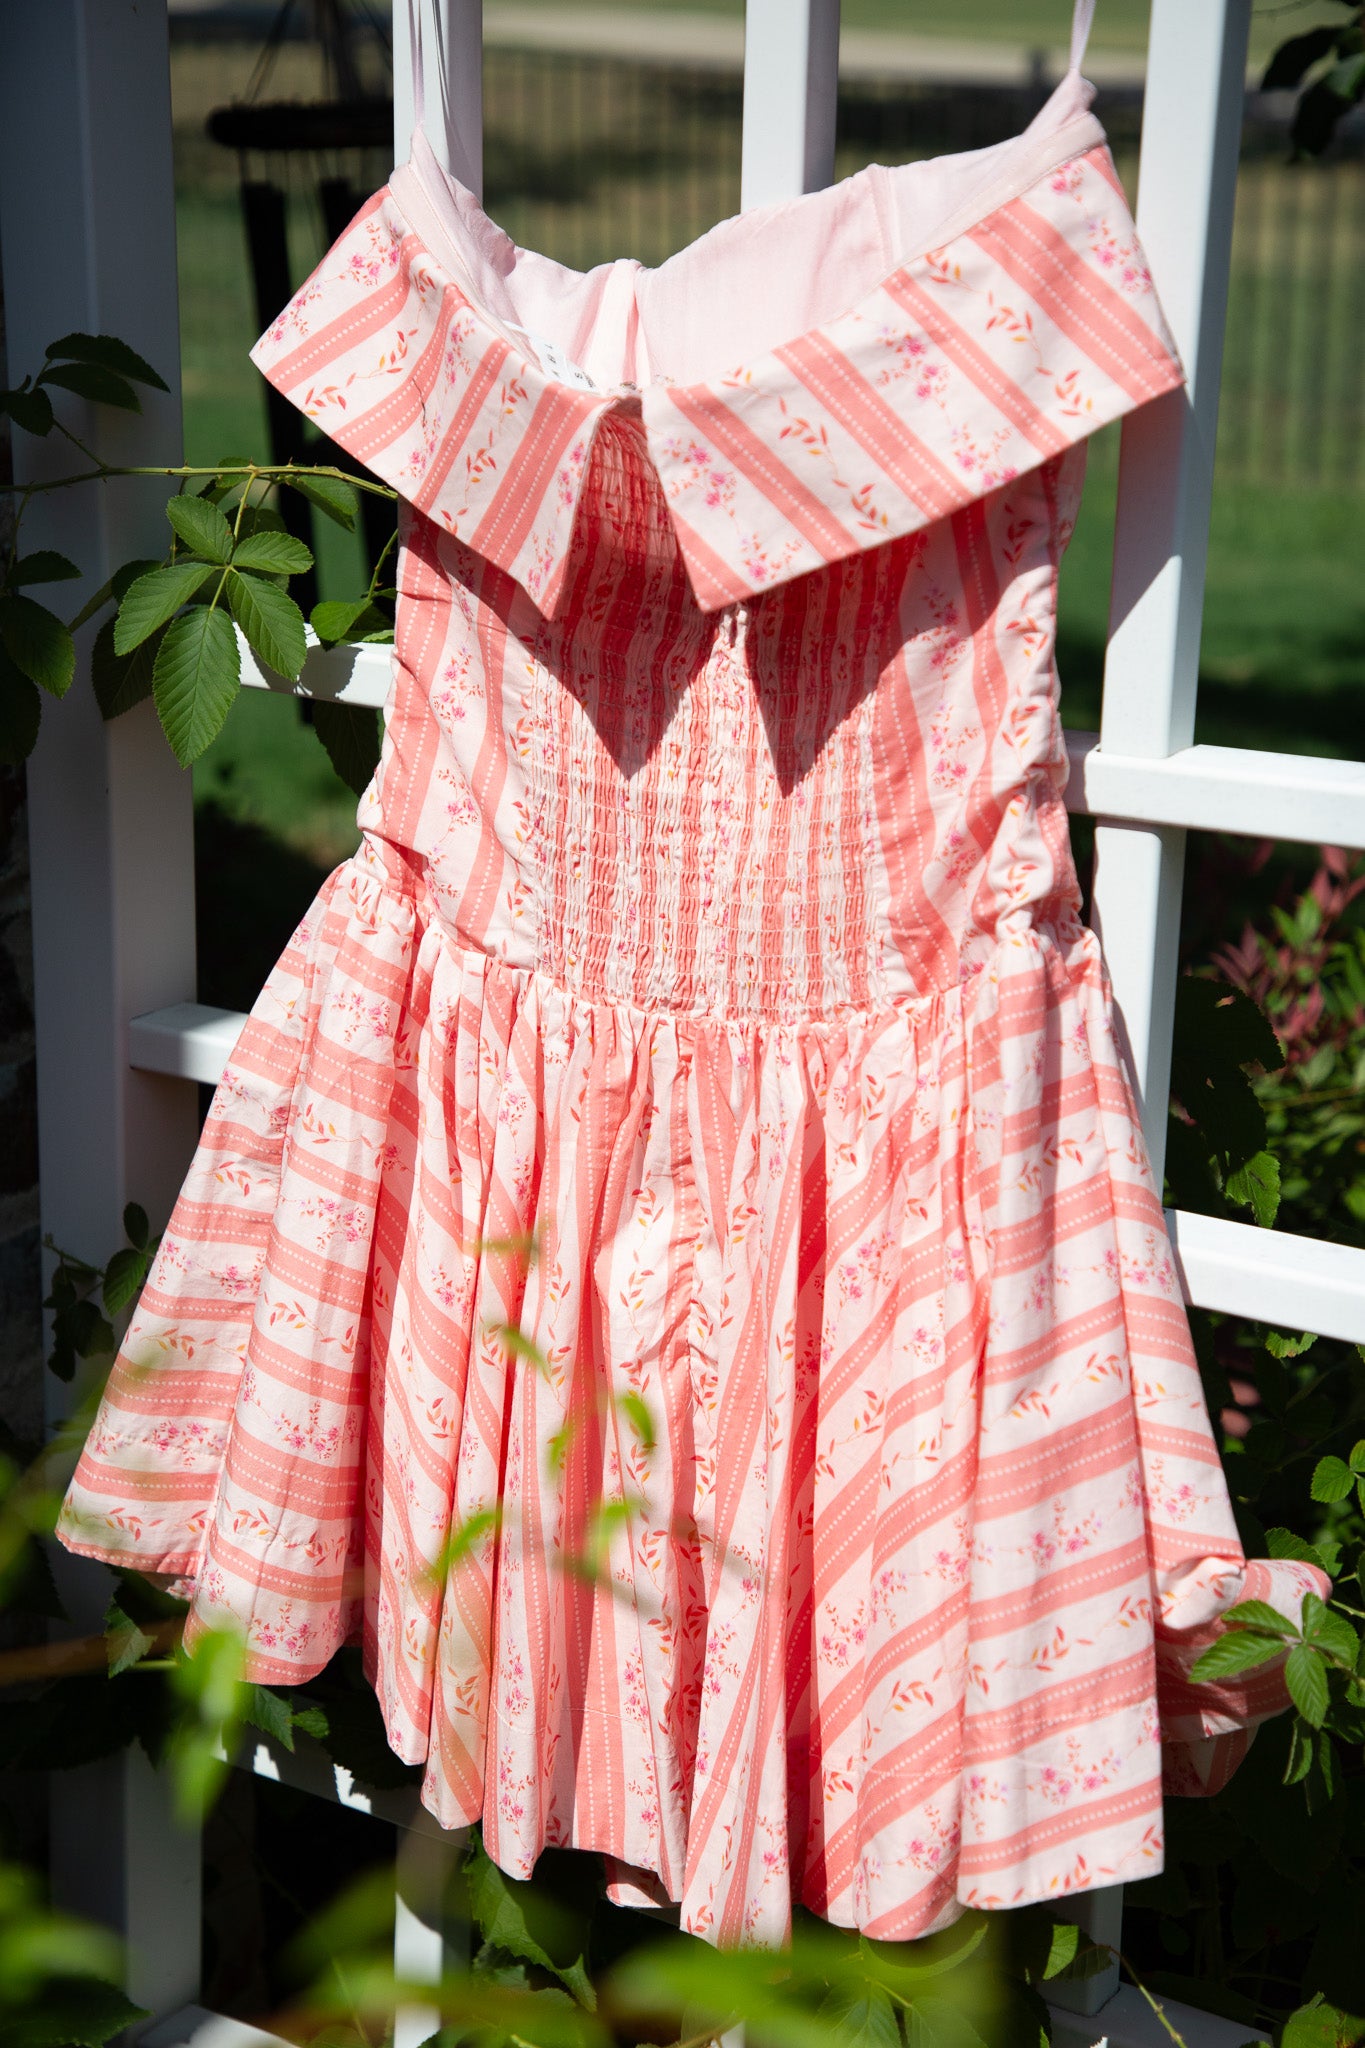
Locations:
column 671, row 1264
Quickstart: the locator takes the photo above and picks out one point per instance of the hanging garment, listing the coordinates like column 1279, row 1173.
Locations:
column 671, row 1265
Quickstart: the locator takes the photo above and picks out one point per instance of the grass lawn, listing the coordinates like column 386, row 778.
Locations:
column 1119, row 24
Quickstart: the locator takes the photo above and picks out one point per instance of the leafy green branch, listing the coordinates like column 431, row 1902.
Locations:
column 174, row 631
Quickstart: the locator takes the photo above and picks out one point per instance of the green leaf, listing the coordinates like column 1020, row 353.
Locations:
column 337, row 500
column 1320, row 2025
column 123, row 1278
column 1284, row 1543
column 126, row 1641
column 94, row 382
column 118, row 586
column 862, row 2016
column 1259, row 1614
column 1357, row 1458
column 272, row 554
column 272, row 1714
column 1282, row 1347
column 1333, row 1480
column 135, row 1225
column 336, row 617
column 529, row 1924
column 1299, row 1762
column 108, row 351
column 38, row 643
column 1066, row 1940
column 197, row 676
column 351, row 734
column 1347, row 79
column 21, row 711
column 1334, row 1636
column 1240, row 1649
column 121, row 680
column 71, row 2012
column 201, row 527
column 44, row 565
column 271, row 620
column 152, row 599
column 31, row 410
column 1256, row 1186
column 1296, row 56
column 1306, row 1679
column 312, row 1721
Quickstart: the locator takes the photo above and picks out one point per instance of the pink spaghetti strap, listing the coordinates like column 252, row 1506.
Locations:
column 1081, row 19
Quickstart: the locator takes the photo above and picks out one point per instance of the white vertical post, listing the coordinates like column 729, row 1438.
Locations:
column 1191, row 130
column 426, row 1944
column 429, row 1941
column 87, row 239
column 452, row 116
column 791, row 98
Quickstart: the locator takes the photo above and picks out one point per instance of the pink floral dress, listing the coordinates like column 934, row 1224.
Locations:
column 671, row 1265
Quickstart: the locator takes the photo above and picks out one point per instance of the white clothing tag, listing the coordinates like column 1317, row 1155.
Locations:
column 555, row 363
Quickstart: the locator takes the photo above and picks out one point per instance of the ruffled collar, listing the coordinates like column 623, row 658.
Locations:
column 1028, row 322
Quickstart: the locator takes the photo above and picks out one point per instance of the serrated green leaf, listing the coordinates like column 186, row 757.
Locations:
column 38, row 644
column 1066, row 1940
column 31, row 410
column 1299, row 1761
column 336, row 618
column 266, row 1710
column 44, row 565
column 337, row 500
column 197, row 676
column 1256, row 1186
column 135, row 1225
column 1320, row 2025
column 271, row 620
column 117, row 586
column 272, row 554
column 21, row 712
column 1333, row 1480
column 108, row 351
column 861, row 2016
column 351, row 735
column 1240, row 1649
column 1306, row 1678
column 126, row 1641
column 94, row 382
column 1336, row 1638
column 1258, row 1614
column 154, row 598
column 310, row 1720
column 123, row 1278
column 201, row 527
column 121, row 680
column 1282, row 1347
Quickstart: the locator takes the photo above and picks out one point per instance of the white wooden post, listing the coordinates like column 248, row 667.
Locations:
column 1191, row 131
column 87, row 239
column 791, row 98
column 426, row 1944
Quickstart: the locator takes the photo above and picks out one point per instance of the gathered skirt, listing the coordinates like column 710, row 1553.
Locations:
column 770, row 1455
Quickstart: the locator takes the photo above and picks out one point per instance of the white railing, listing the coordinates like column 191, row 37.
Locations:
column 87, row 241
